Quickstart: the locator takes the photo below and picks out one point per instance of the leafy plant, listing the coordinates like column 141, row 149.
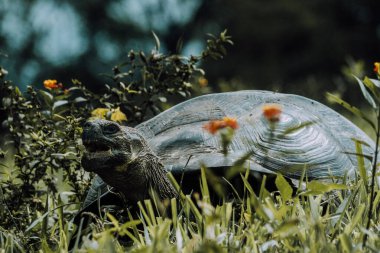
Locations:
column 43, row 143
column 370, row 89
column 144, row 82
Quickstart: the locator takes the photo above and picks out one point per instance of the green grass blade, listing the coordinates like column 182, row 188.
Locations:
column 173, row 204
column 144, row 213
column 361, row 164
column 355, row 220
column 365, row 93
column 149, row 207
column 263, row 191
column 194, row 209
column 284, row 187
column 134, row 228
column 204, row 186
column 247, row 185
column 345, row 242
column 174, row 182
column 78, row 235
column 352, row 109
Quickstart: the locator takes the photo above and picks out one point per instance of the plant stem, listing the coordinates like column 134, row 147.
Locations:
column 372, row 197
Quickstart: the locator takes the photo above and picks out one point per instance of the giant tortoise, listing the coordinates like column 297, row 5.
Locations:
column 131, row 160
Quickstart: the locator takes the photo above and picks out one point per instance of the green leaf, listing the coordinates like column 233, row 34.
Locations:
column 366, row 94
column 149, row 208
column 47, row 97
column 74, row 88
column 157, row 41
column 44, row 230
column 332, row 98
column 322, row 187
column 186, row 199
column 341, row 211
column 35, row 222
column 375, row 82
column 6, row 102
column 284, row 187
column 143, row 59
column 204, row 186
column 162, row 99
column 60, row 106
column 173, row 205
column 238, row 165
column 294, row 129
column 373, row 88
column 18, row 92
column 289, row 227
column 79, row 100
column 145, row 215
column 182, row 93
column 194, row 209
column 368, row 157
column 264, row 193
column 361, row 164
column 346, row 243
column 247, row 185
column 359, row 216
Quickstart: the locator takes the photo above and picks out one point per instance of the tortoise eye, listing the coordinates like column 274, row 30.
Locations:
column 111, row 129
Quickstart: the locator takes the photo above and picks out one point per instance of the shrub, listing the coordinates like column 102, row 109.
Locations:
column 43, row 144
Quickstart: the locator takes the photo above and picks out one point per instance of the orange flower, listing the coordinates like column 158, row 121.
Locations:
column 52, row 84
column 231, row 122
column 272, row 112
column 214, row 125
column 377, row 68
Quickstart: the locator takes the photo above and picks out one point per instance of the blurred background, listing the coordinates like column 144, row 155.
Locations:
column 303, row 47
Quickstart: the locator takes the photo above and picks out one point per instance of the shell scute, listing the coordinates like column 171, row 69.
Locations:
column 308, row 134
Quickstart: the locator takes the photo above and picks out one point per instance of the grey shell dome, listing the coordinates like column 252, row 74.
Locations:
column 323, row 147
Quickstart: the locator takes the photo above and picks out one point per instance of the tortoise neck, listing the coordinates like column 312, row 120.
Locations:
column 136, row 179
column 157, row 179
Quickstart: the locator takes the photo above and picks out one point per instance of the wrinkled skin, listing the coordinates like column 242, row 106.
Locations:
column 123, row 159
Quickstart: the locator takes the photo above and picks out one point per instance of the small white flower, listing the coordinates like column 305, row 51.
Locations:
column 220, row 238
column 178, row 235
column 269, row 244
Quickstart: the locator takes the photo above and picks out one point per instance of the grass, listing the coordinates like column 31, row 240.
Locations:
column 315, row 216
column 330, row 219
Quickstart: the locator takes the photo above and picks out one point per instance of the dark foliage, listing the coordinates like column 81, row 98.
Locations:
column 44, row 128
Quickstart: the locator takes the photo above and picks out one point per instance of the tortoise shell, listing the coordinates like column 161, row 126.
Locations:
column 308, row 135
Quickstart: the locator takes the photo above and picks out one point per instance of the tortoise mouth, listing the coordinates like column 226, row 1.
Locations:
column 98, row 154
column 101, row 155
column 96, row 146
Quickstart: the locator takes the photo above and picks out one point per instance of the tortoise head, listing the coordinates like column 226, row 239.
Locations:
column 122, row 158
column 110, row 145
